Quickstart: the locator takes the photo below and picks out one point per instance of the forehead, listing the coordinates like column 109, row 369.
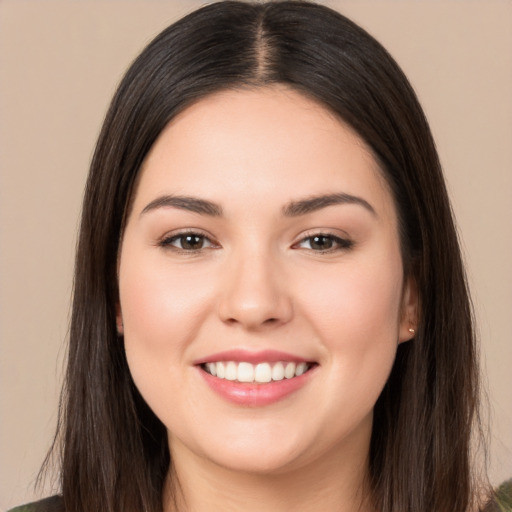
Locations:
column 268, row 144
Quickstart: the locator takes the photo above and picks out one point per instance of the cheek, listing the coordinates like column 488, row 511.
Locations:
column 360, row 303
column 162, row 313
column 355, row 313
column 160, row 308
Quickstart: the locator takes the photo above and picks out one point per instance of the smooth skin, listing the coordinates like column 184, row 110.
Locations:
column 255, row 268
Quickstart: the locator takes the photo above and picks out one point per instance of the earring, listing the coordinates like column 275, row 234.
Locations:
column 412, row 331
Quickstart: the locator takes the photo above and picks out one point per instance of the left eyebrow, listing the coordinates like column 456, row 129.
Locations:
column 312, row 204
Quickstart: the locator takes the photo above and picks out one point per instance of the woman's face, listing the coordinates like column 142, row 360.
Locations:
column 262, row 247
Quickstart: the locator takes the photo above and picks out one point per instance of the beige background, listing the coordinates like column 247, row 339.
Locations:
column 59, row 64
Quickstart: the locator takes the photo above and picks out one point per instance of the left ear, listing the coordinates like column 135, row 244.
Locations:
column 409, row 311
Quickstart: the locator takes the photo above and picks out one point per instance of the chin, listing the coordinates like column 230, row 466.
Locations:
column 265, row 450
column 259, row 462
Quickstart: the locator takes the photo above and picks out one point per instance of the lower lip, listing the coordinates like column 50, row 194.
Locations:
column 255, row 395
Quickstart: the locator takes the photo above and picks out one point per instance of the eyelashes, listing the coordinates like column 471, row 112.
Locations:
column 195, row 242
column 189, row 241
column 324, row 242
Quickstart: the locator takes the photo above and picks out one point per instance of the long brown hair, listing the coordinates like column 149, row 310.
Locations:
column 114, row 452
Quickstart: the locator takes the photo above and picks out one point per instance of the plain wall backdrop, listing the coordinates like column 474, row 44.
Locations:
column 59, row 64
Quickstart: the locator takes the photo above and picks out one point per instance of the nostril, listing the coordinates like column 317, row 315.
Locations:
column 268, row 321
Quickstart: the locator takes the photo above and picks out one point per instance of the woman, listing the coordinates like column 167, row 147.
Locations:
column 270, row 309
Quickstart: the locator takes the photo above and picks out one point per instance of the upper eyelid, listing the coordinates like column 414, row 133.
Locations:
column 186, row 231
column 324, row 232
column 325, row 235
column 165, row 239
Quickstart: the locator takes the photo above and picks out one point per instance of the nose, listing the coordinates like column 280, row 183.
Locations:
column 254, row 293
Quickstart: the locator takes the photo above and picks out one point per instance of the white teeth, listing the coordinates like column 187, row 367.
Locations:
column 289, row 371
column 212, row 368
column 263, row 373
column 260, row 373
column 221, row 372
column 278, row 371
column 231, row 371
column 245, row 372
column 301, row 368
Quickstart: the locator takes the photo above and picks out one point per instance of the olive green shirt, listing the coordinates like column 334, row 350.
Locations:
column 501, row 503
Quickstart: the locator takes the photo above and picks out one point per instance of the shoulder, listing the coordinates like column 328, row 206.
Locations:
column 502, row 501
column 52, row 504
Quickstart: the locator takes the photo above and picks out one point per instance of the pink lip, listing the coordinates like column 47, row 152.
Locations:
column 255, row 395
column 239, row 355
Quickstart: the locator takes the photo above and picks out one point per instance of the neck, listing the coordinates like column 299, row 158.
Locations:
column 197, row 485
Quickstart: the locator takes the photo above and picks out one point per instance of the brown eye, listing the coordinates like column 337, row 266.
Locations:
column 187, row 242
column 324, row 243
column 321, row 243
column 191, row 242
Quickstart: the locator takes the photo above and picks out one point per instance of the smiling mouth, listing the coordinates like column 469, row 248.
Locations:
column 260, row 373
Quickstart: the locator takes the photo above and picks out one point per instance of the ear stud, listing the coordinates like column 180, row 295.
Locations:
column 412, row 331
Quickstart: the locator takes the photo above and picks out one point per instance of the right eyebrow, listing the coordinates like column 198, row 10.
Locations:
column 192, row 204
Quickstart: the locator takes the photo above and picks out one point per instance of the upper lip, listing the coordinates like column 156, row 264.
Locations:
column 262, row 356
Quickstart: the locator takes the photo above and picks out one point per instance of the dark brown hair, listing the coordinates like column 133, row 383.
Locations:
column 114, row 450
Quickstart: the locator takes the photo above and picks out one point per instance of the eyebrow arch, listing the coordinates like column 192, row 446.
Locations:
column 311, row 204
column 192, row 204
